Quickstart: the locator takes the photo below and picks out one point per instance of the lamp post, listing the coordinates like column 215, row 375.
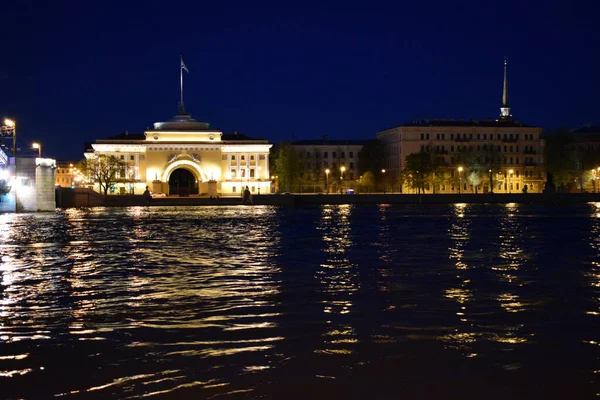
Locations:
column 491, row 182
column 38, row 147
column 510, row 172
column 460, row 170
column 383, row 179
column 342, row 169
column 327, row 180
column 13, row 126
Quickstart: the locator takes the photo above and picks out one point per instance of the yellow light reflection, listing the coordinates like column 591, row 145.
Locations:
column 338, row 278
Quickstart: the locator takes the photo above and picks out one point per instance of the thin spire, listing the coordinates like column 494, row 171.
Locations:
column 505, row 109
column 505, row 87
column 181, row 68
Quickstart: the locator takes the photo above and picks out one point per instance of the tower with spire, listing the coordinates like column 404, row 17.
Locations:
column 505, row 109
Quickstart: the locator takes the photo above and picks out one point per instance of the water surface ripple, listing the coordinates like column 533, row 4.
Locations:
column 337, row 301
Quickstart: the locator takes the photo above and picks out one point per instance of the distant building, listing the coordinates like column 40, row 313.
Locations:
column 508, row 152
column 185, row 157
column 317, row 156
column 67, row 174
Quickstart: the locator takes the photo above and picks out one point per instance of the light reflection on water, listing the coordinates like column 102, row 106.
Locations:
column 254, row 302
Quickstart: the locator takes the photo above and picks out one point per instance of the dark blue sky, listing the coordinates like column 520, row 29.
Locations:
column 80, row 71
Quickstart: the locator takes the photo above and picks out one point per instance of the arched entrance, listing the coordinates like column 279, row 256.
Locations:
column 183, row 182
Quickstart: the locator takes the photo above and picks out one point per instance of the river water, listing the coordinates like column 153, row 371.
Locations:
column 452, row 301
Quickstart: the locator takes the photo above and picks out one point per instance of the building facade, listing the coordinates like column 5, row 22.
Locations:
column 500, row 155
column 185, row 157
column 329, row 162
column 68, row 174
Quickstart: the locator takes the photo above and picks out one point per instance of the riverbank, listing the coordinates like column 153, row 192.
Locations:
column 66, row 198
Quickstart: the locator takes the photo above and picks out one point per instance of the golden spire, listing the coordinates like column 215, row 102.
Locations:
column 505, row 109
column 505, row 88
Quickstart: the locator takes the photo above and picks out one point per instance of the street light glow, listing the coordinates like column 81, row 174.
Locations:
column 460, row 169
column 9, row 122
column 38, row 147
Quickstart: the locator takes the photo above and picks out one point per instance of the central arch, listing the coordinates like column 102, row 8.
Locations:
column 183, row 182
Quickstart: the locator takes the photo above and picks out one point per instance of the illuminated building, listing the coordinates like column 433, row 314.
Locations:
column 494, row 148
column 68, row 174
column 185, row 157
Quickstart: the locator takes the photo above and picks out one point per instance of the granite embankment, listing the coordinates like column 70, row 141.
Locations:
column 66, row 198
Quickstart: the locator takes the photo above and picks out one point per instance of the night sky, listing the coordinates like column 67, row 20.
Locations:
column 80, row 71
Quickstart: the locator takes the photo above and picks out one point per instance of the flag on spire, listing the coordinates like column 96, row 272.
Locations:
column 183, row 67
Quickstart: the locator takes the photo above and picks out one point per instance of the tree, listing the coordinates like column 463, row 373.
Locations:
column 366, row 182
column 370, row 157
column 103, row 170
column 561, row 160
column 287, row 166
column 417, row 170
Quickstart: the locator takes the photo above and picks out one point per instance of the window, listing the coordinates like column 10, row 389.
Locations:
column 122, row 157
column 233, row 189
column 498, row 136
column 443, row 136
column 427, row 136
column 470, row 136
column 478, row 136
column 485, row 136
column 452, row 136
column 251, row 158
column 232, row 158
column 307, row 154
column 452, row 148
column 351, row 154
column 242, row 158
column 505, row 148
column 351, row 165
column 511, row 149
column 233, row 172
column 422, row 136
column 252, row 173
column 333, row 154
column 343, row 154
column 132, row 158
column 437, row 136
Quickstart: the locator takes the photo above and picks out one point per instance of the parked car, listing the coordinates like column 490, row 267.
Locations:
column 158, row 195
column 349, row 191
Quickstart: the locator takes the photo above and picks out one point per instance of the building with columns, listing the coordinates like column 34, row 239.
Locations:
column 185, row 157
column 471, row 154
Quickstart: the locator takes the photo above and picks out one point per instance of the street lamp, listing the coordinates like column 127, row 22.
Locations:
column 38, row 147
column 13, row 125
column 383, row 174
column 491, row 182
column 460, row 170
column 342, row 169
column 510, row 172
column 327, row 180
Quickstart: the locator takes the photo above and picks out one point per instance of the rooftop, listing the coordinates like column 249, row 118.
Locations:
column 488, row 122
column 587, row 129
